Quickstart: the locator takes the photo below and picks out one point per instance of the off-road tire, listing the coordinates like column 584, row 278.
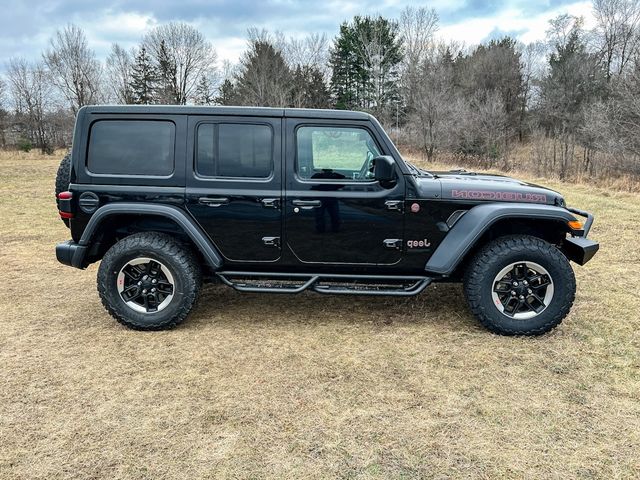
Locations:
column 63, row 178
column 179, row 259
column 501, row 252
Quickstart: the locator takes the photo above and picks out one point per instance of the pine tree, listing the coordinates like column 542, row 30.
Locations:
column 167, row 70
column 204, row 95
column 344, row 69
column 309, row 88
column 226, row 93
column 143, row 79
column 365, row 62
column 264, row 79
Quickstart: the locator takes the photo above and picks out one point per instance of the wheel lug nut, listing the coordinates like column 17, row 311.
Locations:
column 513, row 293
column 153, row 290
column 144, row 291
column 145, row 277
column 528, row 290
column 139, row 283
column 515, row 284
column 154, row 281
column 525, row 283
column 521, row 297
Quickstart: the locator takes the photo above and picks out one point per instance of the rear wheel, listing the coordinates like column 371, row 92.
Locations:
column 63, row 178
column 149, row 281
column 520, row 285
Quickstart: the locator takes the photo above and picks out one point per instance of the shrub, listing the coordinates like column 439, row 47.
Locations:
column 24, row 144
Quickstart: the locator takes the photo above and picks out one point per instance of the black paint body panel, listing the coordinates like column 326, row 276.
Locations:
column 418, row 222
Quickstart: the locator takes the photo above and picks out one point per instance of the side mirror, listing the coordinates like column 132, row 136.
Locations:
column 384, row 169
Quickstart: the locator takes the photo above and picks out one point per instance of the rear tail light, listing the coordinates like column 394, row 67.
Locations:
column 65, row 196
column 64, row 205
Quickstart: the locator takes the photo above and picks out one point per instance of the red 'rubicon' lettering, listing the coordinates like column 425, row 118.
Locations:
column 500, row 196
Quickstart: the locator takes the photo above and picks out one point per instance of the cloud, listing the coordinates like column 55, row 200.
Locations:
column 26, row 27
column 517, row 20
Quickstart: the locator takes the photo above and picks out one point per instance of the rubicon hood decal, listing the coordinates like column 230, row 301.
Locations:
column 498, row 196
column 489, row 188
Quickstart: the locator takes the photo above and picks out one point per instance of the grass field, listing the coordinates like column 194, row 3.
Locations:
column 257, row 386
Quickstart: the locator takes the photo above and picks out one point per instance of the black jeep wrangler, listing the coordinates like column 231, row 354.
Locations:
column 286, row 200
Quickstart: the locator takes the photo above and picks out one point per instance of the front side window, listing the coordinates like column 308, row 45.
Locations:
column 131, row 147
column 234, row 150
column 335, row 153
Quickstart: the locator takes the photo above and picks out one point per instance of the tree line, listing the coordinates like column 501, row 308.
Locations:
column 569, row 105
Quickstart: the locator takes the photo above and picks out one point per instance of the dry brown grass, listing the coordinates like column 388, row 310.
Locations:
column 257, row 386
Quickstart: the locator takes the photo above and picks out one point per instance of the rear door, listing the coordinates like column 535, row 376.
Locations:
column 234, row 184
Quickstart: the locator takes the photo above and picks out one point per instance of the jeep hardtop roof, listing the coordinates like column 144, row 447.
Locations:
column 230, row 111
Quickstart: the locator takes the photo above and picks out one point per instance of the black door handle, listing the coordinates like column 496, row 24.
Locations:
column 213, row 202
column 307, row 203
column 271, row 202
column 394, row 205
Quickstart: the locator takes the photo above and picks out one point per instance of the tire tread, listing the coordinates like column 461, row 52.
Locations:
column 475, row 276
column 169, row 246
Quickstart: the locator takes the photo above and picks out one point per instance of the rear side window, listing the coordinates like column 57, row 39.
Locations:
column 234, row 150
column 131, row 147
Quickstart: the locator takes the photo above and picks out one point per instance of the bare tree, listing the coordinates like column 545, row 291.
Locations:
column 310, row 51
column 431, row 114
column 227, row 71
column 119, row 68
column 183, row 57
column 617, row 35
column 73, row 66
column 562, row 27
column 3, row 92
column 417, row 27
column 532, row 68
column 491, row 126
column 33, row 100
column 3, row 113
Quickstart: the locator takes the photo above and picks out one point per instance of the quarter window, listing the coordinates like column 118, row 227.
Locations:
column 234, row 150
column 131, row 147
column 335, row 153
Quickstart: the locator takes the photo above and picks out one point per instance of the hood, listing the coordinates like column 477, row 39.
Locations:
column 463, row 185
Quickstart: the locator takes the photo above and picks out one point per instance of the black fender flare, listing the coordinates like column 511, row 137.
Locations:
column 179, row 216
column 475, row 222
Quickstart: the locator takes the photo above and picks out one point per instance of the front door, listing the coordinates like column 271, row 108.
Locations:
column 234, row 185
column 335, row 212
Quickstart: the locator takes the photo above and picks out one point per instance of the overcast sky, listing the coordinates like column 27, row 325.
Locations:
column 26, row 26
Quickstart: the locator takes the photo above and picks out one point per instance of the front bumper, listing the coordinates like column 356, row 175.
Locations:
column 70, row 253
column 580, row 249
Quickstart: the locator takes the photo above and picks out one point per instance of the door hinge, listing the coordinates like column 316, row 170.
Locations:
column 394, row 205
column 393, row 243
column 271, row 241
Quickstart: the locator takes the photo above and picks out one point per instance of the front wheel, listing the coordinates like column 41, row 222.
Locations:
column 149, row 281
column 520, row 285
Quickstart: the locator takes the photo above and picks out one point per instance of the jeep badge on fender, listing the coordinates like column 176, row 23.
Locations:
column 287, row 200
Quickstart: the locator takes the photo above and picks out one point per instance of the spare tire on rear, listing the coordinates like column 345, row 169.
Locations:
column 63, row 179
